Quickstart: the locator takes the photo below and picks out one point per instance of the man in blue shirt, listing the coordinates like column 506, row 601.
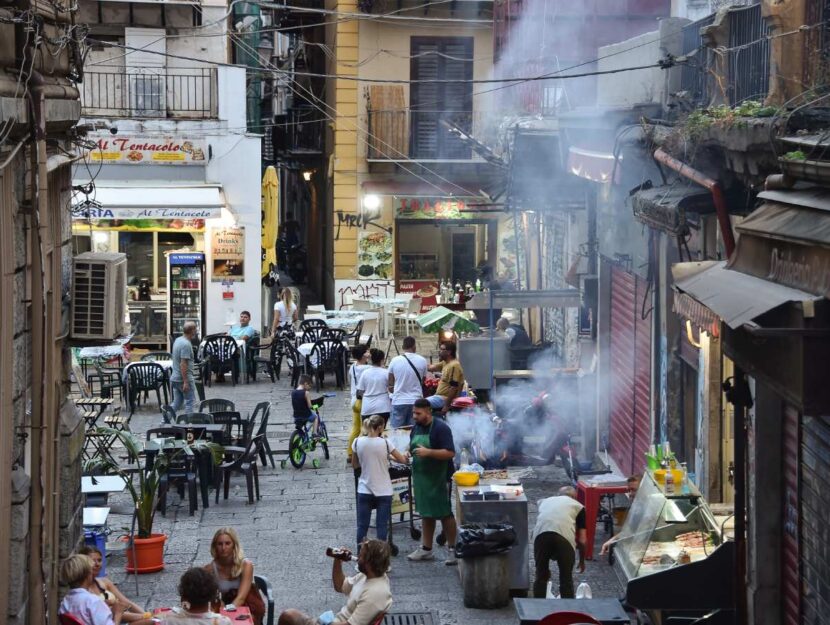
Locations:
column 243, row 330
column 182, row 378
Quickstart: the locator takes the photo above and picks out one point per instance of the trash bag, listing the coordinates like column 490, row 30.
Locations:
column 484, row 539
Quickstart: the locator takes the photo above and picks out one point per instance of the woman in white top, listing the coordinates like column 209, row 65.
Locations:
column 373, row 388
column 374, row 487
column 285, row 311
column 360, row 354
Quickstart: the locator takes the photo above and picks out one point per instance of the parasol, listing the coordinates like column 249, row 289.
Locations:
column 270, row 206
column 441, row 318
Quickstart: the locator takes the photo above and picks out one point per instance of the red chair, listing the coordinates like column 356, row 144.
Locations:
column 69, row 619
column 569, row 618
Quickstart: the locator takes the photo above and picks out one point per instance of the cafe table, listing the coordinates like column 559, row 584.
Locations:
column 606, row 611
column 202, row 457
column 386, row 304
column 240, row 616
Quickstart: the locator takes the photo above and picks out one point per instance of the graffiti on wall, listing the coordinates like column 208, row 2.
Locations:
column 346, row 290
column 362, row 220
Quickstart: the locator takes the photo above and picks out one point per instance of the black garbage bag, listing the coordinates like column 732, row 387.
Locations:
column 484, row 539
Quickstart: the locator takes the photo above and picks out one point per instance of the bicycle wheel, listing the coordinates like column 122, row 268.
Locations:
column 325, row 434
column 296, row 448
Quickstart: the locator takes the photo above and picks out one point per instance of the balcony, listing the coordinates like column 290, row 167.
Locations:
column 150, row 92
column 401, row 135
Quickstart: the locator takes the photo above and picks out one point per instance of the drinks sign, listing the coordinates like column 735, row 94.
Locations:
column 228, row 255
column 137, row 150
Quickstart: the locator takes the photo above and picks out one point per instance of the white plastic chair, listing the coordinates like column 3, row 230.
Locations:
column 410, row 315
column 362, row 304
column 370, row 327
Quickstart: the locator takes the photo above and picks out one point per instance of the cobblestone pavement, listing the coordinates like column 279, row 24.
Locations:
column 299, row 515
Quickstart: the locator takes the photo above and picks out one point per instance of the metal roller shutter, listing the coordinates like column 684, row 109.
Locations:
column 630, row 347
column 790, row 574
column 814, row 548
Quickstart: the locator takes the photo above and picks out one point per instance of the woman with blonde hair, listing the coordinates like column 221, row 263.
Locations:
column 234, row 573
column 109, row 592
column 285, row 311
column 374, row 486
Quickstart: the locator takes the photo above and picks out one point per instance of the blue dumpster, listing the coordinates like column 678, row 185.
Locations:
column 97, row 538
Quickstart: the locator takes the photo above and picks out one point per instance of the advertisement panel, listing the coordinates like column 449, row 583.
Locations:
column 228, row 255
column 138, row 150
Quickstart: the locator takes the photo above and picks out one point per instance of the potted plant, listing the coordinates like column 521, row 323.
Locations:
column 145, row 550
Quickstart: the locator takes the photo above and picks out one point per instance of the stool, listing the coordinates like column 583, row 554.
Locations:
column 589, row 496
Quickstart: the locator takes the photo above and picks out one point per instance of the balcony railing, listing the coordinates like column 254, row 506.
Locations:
column 694, row 77
column 749, row 54
column 423, row 135
column 150, row 92
column 817, row 44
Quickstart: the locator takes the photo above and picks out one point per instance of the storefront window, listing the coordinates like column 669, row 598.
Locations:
column 168, row 242
column 441, row 250
column 138, row 246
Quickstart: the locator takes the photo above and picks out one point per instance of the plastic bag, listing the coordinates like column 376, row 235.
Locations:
column 484, row 539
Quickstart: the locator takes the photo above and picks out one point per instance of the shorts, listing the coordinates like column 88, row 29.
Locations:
column 436, row 401
column 401, row 415
column 300, row 421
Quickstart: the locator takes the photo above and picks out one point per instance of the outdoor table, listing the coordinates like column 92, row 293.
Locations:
column 588, row 493
column 95, row 352
column 348, row 314
column 95, row 516
column 606, row 611
column 100, row 486
column 386, row 305
column 204, row 459
column 342, row 323
column 240, row 616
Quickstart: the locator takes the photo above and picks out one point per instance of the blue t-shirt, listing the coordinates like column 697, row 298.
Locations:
column 182, row 350
column 238, row 331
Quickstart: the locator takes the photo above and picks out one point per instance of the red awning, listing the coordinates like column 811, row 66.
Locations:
column 423, row 189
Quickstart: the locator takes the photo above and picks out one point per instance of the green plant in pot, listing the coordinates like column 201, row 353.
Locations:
column 146, row 549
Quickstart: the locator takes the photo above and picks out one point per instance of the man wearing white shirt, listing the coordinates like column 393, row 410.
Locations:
column 406, row 378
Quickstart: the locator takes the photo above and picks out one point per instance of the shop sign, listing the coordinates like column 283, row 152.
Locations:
column 427, row 290
column 796, row 266
column 227, row 247
column 141, row 225
column 138, row 150
column 430, row 208
column 102, row 212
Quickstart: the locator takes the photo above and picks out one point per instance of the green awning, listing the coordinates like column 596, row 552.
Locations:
column 441, row 318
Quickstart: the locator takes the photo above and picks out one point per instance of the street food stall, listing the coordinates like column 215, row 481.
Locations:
column 673, row 556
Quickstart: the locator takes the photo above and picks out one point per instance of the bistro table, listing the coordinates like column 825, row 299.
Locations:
column 386, row 304
column 240, row 616
column 95, row 516
column 343, row 313
column 606, row 611
column 203, row 457
column 98, row 487
column 589, row 491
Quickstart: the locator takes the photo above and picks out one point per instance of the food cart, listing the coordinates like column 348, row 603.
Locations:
column 673, row 558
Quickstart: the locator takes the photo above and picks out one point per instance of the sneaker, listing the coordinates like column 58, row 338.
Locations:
column 451, row 560
column 421, row 554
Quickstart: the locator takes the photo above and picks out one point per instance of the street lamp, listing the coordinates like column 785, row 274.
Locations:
column 307, row 174
column 371, row 202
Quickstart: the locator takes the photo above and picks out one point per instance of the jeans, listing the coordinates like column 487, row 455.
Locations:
column 401, row 415
column 383, row 505
column 551, row 546
column 436, row 401
column 181, row 397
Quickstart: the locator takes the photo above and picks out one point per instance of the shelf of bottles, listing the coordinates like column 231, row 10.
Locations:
column 185, row 297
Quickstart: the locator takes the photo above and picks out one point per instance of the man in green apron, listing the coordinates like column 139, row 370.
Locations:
column 432, row 450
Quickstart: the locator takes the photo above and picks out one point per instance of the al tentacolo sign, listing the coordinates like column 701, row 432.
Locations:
column 137, row 150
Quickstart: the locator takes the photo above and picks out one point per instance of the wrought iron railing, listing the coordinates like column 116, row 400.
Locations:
column 152, row 92
column 423, row 135
column 748, row 57
column 817, row 45
column 695, row 75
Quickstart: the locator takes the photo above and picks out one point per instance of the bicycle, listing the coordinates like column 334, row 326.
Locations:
column 303, row 441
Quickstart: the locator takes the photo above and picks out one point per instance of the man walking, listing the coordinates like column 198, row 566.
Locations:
column 432, row 450
column 182, row 378
column 406, row 382
column 558, row 535
column 452, row 379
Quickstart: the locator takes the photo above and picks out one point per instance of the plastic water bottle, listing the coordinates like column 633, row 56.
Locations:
column 583, row 591
column 465, row 457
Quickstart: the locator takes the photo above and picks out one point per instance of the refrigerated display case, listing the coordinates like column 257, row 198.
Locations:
column 148, row 322
column 672, row 556
column 186, row 292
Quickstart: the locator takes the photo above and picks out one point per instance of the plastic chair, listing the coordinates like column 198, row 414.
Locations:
column 245, row 463
column 308, row 324
column 109, row 381
column 264, row 586
column 296, row 363
column 220, row 354
column 327, row 355
column 355, row 334
column 229, row 419
column 334, row 333
column 155, row 356
column 270, row 361
column 181, row 470
column 71, row 619
column 145, row 377
column 569, row 618
column 315, row 308
column 194, row 417
column 168, row 415
column 217, row 405
column 411, row 314
column 265, row 452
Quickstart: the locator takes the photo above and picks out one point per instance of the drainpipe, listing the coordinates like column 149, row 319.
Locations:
column 714, row 188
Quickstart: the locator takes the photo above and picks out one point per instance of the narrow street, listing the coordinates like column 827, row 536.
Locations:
column 300, row 514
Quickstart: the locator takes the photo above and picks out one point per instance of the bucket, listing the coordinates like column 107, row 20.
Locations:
column 98, row 539
column 486, row 581
column 149, row 554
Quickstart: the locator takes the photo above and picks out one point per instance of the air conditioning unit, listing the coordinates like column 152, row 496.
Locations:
column 99, row 295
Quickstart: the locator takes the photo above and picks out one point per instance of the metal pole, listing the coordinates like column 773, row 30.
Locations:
column 740, row 498
column 492, row 338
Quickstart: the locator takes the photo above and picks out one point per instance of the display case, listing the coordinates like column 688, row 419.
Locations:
column 148, row 322
column 660, row 527
column 186, row 280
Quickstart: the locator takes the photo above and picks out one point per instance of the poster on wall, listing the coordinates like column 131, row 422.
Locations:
column 427, row 290
column 141, row 225
column 227, row 247
column 374, row 256
column 430, row 208
column 137, row 150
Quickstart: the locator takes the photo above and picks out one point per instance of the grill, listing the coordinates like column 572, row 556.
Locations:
column 409, row 618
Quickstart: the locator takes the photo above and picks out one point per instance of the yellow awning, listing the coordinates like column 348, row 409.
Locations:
column 270, row 219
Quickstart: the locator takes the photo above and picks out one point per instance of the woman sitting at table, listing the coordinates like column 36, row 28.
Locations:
column 109, row 592
column 197, row 589
column 285, row 312
column 234, row 573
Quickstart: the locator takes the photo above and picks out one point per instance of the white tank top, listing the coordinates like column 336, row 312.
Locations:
column 558, row 514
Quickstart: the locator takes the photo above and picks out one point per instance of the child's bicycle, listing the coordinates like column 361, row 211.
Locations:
column 303, row 441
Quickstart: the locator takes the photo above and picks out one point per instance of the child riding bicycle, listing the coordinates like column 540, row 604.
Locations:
column 303, row 409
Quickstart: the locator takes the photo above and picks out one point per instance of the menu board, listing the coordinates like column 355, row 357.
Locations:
column 374, row 256
column 228, row 255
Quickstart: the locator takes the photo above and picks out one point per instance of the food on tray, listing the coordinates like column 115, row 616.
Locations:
column 384, row 270
column 495, row 474
column 366, row 271
column 375, row 242
column 363, row 257
column 427, row 291
column 693, row 539
column 134, row 156
column 383, row 257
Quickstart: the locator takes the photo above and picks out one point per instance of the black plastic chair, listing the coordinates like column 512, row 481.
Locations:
column 245, row 463
column 296, row 363
column 263, row 412
column 220, row 354
column 156, row 356
column 312, row 335
column 264, row 586
column 146, row 377
column 182, row 470
column 334, row 333
column 230, row 419
column 269, row 360
column 251, row 350
column 355, row 334
column 168, row 415
column 216, row 404
column 194, row 417
column 308, row 324
column 109, row 381
column 327, row 355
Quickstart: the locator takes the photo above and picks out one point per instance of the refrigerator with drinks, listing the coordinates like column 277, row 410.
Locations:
column 186, row 283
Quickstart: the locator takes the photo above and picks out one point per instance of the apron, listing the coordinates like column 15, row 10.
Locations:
column 429, row 480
